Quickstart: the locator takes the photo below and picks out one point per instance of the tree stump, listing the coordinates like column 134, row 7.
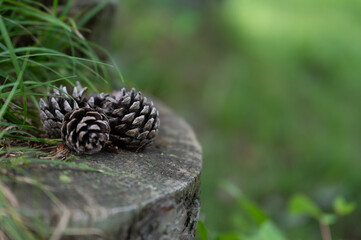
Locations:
column 151, row 194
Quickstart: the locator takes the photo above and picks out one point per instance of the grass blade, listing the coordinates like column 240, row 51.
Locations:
column 11, row 94
column 90, row 14
column 9, row 45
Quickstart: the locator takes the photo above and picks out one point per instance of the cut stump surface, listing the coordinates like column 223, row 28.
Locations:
column 151, row 194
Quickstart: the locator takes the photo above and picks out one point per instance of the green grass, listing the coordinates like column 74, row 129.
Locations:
column 41, row 48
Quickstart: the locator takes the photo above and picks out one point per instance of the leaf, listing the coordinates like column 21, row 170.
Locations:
column 302, row 205
column 269, row 231
column 202, row 231
column 342, row 207
column 9, row 45
column 253, row 210
column 229, row 236
column 65, row 179
column 92, row 12
column 250, row 207
column 231, row 188
column 17, row 83
column 328, row 218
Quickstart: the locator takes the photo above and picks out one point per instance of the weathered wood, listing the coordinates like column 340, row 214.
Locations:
column 152, row 194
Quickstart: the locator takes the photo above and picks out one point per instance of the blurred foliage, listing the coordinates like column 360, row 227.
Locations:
column 272, row 90
column 254, row 224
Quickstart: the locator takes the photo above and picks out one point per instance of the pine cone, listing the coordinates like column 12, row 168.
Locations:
column 85, row 130
column 134, row 121
column 53, row 110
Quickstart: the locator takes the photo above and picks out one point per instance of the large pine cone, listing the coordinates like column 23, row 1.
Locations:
column 134, row 121
column 85, row 130
column 52, row 110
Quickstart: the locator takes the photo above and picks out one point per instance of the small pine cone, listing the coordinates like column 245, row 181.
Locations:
column 134, row 121
column 85, row 130
column 52, row 110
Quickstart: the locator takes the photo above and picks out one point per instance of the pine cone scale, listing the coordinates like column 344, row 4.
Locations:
column 59, row 114
column 121, row 127
column 48, row 114
column 89, row 118
column 138, row 121
column 145, row 110
column 128, row 117
column 81, row 126
column 143, row 135
column 149, row 124
column 54, row 103
column 119, row 112
column 135, row 106
column 94, row 127
column 67, row 106
column 132, row 132
column 102, row 125
column 152, row 133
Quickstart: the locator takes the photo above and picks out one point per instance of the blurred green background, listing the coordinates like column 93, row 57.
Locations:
column 272, row 89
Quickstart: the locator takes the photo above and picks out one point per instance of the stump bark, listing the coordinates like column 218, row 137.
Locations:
column 152, row 194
